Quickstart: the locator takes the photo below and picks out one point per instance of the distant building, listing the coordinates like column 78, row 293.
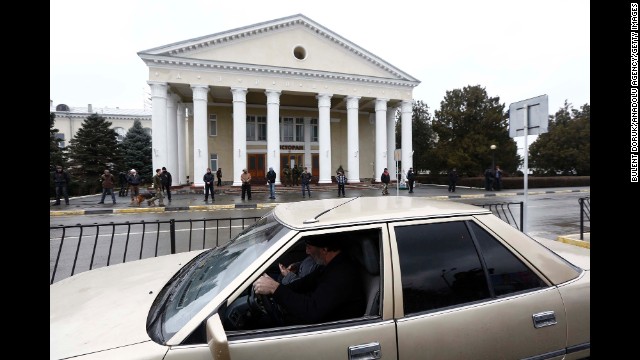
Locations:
column 69, row 119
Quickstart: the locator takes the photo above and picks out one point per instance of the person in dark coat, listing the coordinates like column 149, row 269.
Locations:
column 61, row 181
column 411, row 179
column 453, row 179
column 271, row 180
column 165, row 176
column 488, row 179
column 124, row 186
column 134, row 181
column 334, row 292
column 386, row 179
column 219, row 176
column 208, row 185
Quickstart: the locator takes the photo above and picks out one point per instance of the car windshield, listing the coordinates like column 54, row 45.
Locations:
column 200, row 280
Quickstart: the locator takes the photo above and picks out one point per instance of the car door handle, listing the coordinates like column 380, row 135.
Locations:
column 543, row 319
column 365, row 351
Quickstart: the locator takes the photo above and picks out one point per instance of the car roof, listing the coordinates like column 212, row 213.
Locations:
column 313, row 214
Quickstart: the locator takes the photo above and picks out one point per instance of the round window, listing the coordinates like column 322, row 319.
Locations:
column 300, row 53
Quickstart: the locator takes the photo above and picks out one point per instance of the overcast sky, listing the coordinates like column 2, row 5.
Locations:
column 514, row 49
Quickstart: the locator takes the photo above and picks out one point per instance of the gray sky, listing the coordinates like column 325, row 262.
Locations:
column 514, row 49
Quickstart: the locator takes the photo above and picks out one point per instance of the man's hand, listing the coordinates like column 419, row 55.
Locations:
column 265, row 285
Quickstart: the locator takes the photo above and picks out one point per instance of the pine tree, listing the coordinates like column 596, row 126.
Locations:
column 136, row 151
column 91, row 151
column 57, row 155
column 423, row 137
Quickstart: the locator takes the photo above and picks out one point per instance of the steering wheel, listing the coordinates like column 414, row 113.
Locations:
column 266, row 305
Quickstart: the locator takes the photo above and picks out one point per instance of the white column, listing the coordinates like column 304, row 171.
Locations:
column 200, row 136
column 353, row 146
column 391, row 140
column 273, row 132
column 381, row 137
column 189, row 141
column 239, row 133
column 172, row 134
column 182, row 148
column 307, row 142
column 158, row 126
column 407, row 135
column 324, row 137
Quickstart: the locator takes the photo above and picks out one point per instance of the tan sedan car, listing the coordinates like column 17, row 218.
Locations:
column 397, row 278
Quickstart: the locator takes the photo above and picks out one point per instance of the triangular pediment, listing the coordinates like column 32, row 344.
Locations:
column 294, row 42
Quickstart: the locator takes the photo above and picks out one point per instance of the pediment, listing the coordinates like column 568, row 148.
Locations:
column 295, row 43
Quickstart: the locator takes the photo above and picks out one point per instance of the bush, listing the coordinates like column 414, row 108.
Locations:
column 510, row 182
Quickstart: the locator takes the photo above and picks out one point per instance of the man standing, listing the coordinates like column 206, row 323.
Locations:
column 306, row 179
column 157, row 186
column 219, row 176
column 61, row 181
column 108, row 182
column 134, row 181
column 271, row 180
column 498, row 178
column 124, row 186
column 246, row 184
column 166, row 182
column 295, row 174
column 386, row 179
column 411, row 177
column 453, row 179
column 341, row 179
column 208, row 185
column 286, row 176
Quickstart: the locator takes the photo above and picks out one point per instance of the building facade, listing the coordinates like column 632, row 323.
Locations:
column 69, row 119
column 282, row 92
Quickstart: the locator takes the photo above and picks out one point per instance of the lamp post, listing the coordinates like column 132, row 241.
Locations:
column 493, row 157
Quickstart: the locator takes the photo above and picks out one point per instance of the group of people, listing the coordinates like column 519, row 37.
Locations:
column 291, row 176
column 493, row 179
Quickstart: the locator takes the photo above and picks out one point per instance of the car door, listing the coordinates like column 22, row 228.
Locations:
column 366, row 337
column 462, row 294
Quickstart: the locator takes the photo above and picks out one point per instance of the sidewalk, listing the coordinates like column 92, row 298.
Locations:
column 228, row 197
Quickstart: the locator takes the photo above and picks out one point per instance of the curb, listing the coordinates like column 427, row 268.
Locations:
column 273, row 204
column 568, row 240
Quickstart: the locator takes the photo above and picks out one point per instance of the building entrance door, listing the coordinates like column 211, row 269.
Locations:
column 291, row 160
column 256, row 165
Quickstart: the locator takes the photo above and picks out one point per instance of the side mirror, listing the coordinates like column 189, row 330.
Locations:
column 217, row 338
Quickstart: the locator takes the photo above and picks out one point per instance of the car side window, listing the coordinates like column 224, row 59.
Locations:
column 507, row 273
column 440, row 266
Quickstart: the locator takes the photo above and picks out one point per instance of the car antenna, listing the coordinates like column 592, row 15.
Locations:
column 315, row 219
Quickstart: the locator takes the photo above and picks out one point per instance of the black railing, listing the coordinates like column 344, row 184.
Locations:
column 78, row 248
column 504, row 212
column 585, row 211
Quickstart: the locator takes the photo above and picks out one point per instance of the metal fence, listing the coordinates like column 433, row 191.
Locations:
column 585, row 211
column 78, row 248
column 505, row 212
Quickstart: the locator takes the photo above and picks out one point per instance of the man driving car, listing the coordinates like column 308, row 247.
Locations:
column 333, row 292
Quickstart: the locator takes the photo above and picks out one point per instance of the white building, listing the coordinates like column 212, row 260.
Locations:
column 286, row 91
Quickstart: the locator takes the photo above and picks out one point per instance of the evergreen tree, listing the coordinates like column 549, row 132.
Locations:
column 467, row 124
column 136, row 151
column 566, row 147
column 91, row 151
column 422, row 138
column 57, row 155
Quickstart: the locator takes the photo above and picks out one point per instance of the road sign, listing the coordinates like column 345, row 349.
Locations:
column 537, row 109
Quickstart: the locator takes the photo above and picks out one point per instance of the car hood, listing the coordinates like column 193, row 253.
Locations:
column 106, row 308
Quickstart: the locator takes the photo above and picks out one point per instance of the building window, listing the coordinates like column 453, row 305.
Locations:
column 213, row 164
column 120, row 134
column 292, row 129
column 256, row 128
column 61, row 142
column 314, row 130
column 213, row 124
column 299, row 129
column 147, row 130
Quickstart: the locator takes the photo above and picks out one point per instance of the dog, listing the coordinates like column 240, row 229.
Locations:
column 138, row 200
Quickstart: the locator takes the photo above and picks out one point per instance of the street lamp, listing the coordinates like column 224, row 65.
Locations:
column 493, row 157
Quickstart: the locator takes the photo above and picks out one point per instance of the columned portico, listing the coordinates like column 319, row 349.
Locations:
column 273, row 132
column 172, row 131
column 159, row 149
column 353, row 146
column 182, row 159
column 381, row 137
column 407, row 136
column 324, row 137
column 239, row 133
column 200, row 136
